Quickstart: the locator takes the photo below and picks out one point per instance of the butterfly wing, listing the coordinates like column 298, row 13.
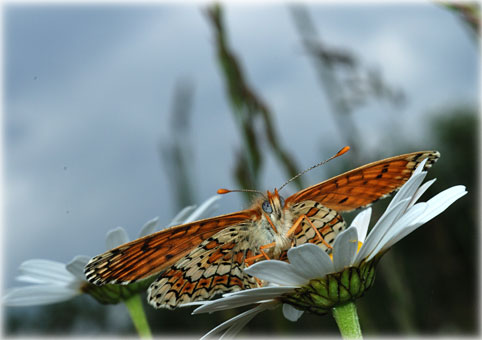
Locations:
column 327, row 221
column 153, row 253
column 215, row 266
column 366, row 184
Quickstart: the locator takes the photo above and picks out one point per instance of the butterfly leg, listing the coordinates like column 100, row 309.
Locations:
column 297, row 223
column 250, row 260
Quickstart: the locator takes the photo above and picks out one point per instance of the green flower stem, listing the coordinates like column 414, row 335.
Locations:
column 347, row 320
column 136, row 311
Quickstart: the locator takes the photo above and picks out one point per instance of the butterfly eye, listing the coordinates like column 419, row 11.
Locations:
column 282, row 201
column 267, row 207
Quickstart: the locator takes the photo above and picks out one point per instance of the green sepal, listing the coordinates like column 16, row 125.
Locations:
column 115, row 293
column 319, row 287
column 333, row 284
column 320, row 300
column 355, row 285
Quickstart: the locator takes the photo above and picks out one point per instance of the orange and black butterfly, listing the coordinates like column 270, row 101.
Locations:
column 201, row 259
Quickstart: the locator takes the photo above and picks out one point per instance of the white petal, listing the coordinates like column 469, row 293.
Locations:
column 181, row 216
column 401, row 234
column 291, row 313
column 234, row 325
column 228, row 303
column 116, row 237
column 277, row 272
column 149, row 227
column 309, row 261
column 29, row 279
column 434, row 206
column 408, row 190
column 45, row 271
column 242, row 298
column 380, row 229
column 420, row 167
column 263, row 293
column 344, row 249
column 192, row 304
column 442, row 201
column 203, row 209
column 77, row 265
column 421, row 191
column 408, row 219
column 361, row 223
column 38, row 295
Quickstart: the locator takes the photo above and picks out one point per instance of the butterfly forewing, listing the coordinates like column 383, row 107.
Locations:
column 366, row 184
column 153, row 253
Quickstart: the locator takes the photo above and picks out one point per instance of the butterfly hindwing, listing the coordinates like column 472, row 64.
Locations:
column 153, row 253
column 215, row 266
column 366, row 184
column 327, row 221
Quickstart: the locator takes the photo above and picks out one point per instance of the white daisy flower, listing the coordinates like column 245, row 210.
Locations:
column 317, row 282
column 52, row 281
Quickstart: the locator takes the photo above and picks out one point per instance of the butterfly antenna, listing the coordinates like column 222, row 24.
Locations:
column 227, row 191
column 339, row 153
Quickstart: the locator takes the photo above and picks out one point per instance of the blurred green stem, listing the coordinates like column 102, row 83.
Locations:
column 347, row 320
column 136, row 311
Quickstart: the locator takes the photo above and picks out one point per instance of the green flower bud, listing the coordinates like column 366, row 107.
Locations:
column 319, row 296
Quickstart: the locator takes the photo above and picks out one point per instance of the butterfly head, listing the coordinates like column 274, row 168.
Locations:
column 269, row 206
column 273, row 205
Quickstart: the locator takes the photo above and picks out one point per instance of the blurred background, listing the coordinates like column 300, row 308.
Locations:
column 115, row 114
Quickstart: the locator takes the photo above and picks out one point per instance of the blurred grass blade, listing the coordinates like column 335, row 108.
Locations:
column 348, row 85
column 247, row 107
column 176, row 150
column 324, row 61
column 468, row 12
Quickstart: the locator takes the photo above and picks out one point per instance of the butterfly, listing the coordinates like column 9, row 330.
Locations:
column 201, row 259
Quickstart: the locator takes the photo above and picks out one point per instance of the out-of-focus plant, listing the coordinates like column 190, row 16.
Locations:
column 346, row 82
column 175, row 150
column 248, row 108
column 52, row 282
column 457, row 132
column 468, row 12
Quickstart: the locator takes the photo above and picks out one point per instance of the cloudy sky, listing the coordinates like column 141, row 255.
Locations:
column 88, row 91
